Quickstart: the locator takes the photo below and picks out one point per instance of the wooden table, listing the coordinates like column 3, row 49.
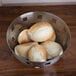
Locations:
column 10, row 66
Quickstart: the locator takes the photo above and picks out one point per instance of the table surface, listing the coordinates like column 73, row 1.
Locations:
column 10, row 66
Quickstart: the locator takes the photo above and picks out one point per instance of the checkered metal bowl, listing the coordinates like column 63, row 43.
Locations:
column 26, row 20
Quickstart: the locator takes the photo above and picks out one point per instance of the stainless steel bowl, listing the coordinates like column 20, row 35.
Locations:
column 25, row 21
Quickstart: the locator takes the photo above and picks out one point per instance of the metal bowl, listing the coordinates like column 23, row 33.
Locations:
column 25, row 21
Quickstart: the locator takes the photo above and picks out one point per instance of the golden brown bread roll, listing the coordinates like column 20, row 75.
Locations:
column 23, row 36
column 37, row 53
column 22, row 49
column 53, row 49
column 41, row 31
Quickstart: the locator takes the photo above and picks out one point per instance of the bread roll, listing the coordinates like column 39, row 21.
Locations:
column 41, row 31
column 22, row 49
column 37, row 54
column 53, row 49
column 23, row 37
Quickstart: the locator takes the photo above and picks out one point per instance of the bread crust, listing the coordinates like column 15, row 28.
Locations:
column 53, row 49
column 53, row 37
column 41, row 31
column 23, row 37
column 22, row 49
column 37, row 54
